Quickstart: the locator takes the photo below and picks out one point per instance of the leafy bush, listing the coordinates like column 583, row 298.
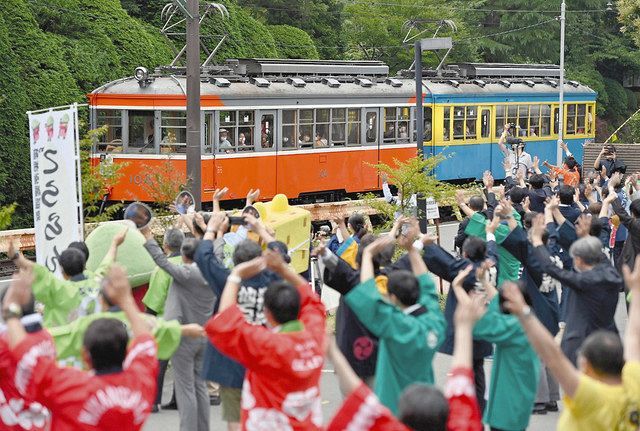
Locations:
column 293, row 42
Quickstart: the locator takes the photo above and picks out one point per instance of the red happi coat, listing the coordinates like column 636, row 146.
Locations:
column 281, row 388
column 16, row 412
column 362, row 411
column 80, row 400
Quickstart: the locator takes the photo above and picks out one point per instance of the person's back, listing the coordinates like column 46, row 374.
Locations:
column 113, row 397
column 608, row 394
column 18, row 413
column 281, row 389
column 409, row 334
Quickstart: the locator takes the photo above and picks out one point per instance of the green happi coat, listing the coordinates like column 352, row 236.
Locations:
column 508, row 265
column 159, row 284
column 65, row 300
column 68, row 338
column 515, row 371
column 408, row 338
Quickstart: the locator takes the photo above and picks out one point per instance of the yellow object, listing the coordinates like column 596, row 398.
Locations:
column 291, row 225
column 597, row 406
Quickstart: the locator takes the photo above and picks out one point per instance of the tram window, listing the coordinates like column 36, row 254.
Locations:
column 289, row 129
column 305, row 138
column 523, row 121
column 485, row 123
column 589, row 119
column 353, row 127
column 390, row 131
column 372, row 127
column 545, row 120
column 141, row 132
column 501, row 120
column 446, row 126
column 338, row 127
column 534, row 120
column 428, row 123
column 471, row 120
column 570, row 128
column 207, row 133
column 111, row 140
column 580, row 119
column 321, row 139
column 403, row 125
column 512, row 114
column 266, row 131
column 173, row 128
column 458, row 122
column 236, row 131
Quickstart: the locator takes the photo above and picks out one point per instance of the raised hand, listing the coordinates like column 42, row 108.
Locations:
column 117, row 287
column 20, row 290
column 218, row 194
column 487, row 180
column 583, row 225
column 251, row 268
column 119, row 238
column 253, row 196
column 537, row 228
column 514, row 301
column 632, row 278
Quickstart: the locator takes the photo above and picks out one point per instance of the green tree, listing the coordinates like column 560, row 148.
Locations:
column 376, row 31
column 321, row 19
column 293, row 42
column 414, row 176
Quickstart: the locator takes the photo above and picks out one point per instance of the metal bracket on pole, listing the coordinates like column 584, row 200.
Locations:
column 182, row 5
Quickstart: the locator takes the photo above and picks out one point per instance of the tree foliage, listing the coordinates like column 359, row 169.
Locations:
column 293, row 42
column 414, row 176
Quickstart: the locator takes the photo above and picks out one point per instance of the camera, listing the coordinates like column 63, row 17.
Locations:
column 513, row 141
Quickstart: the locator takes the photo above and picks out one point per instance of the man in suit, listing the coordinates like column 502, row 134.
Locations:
column 567, row 208
column 190, row 300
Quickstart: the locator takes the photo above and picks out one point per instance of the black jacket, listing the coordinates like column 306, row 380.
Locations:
column 591, row 303
column 631, row 246
column 357, row 344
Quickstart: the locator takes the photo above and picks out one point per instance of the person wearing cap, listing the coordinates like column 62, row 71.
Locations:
column 225, row 146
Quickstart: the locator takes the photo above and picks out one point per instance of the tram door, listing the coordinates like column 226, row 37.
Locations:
column 371, row 155
column 266, row 143
column 484, row 135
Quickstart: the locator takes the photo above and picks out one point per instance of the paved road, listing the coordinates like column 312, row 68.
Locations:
column 331, row 397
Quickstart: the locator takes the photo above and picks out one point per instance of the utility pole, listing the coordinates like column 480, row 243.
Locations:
column 421, row 201
column 194, row 152
column 561, row 84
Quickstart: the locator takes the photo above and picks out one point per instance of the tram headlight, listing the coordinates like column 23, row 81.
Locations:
column 141, row 74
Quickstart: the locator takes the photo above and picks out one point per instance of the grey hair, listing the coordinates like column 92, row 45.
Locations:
column 173, row 239
column 189, row 247
column 589, row 249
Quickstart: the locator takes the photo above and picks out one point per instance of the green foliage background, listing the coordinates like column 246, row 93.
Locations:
column 55, row 51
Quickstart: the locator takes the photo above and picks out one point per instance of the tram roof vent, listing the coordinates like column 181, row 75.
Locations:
column 529, row 83
column 364, row 82
column 574, row 84
column 508, row 70
column 331, row 82
column 260, row 82
column 296, row 82
column 299, row 67
column 480, row 83
column 453, row 83
column 221, row 82
column 504, row 83
column 551, row 82
column 396, row 83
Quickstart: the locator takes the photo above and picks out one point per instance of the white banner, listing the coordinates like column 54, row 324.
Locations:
column 55, row 166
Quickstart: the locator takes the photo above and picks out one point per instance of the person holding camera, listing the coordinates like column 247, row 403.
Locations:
column 513, row 148
column 608, row 161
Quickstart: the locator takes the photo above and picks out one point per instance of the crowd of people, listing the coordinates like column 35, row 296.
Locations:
column 540, row 265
